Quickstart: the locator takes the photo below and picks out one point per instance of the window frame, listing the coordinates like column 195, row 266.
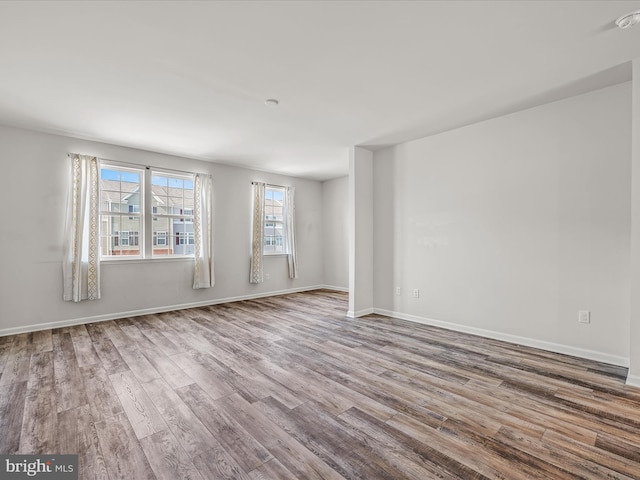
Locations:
column 272, row 220
column 173, row 237
column 116, row 236
column 145, row 237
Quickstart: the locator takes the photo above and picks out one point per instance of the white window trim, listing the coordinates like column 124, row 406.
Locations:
column 145, row 242
column 282, row 222
column 134, row 169
column 170, row 216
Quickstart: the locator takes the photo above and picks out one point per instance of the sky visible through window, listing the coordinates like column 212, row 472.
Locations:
column 107, row 174
column 161, row 181
column 171, row 182
column 278, row 195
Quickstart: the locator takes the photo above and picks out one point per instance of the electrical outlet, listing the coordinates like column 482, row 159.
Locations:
column 267, row 276
column 416, row 293
column 584, row 316
column 398, row 291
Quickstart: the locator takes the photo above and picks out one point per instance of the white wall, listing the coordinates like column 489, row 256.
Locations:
column 335, row 225
column 634, row 338
column 360, row 232
column 510, row 226
column 33, row 196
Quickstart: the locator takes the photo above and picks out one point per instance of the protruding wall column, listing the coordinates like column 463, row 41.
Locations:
column 633, row 377
column 360, row 232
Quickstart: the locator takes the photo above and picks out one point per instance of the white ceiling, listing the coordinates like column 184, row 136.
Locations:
column 190, row 78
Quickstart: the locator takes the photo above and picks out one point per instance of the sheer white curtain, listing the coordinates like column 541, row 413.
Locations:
column 202, row 227
column 81, row 260
column 291, row 236
column 256, row 275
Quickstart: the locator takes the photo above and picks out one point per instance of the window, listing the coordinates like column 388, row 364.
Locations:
column 185, row 238
column 137, row 203
column 121, row 195
column 172, row 205
column 159, row 238
column 128, row 239
column 274, row 221
column 134, row 209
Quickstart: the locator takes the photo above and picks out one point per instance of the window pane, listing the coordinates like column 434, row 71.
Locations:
column 120, row 192
column 123, row 212
column 172, row 194
column 268, row 209
column 188, row 199
column 176, row 183
column 182, row 238
column 161, row 209
column 161, row 237
column 108, row 200
column 159, row 180
column 274, row 231
column 120, row 236
column 176, row 205
column 129, row 178
column 109, row 174
column 159, row 191
column 131, row 200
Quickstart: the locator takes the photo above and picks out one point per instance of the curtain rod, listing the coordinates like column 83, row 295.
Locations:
column 147, row 167
column 270, row 185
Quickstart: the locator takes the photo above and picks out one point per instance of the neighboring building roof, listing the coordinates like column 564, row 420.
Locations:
column 110, row 191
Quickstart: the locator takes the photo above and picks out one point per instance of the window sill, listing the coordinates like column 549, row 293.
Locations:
column 120, row 261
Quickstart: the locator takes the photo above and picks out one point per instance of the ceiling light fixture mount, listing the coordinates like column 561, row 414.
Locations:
column 628, row 20
column 271, row 102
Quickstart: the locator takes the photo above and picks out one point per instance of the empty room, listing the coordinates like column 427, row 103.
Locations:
column 275, row 240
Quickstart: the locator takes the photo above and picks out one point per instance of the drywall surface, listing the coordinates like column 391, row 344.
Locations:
column 34, row 195
column 634, row 337
column 513, row 225
column 335, row 226
column 360, row 232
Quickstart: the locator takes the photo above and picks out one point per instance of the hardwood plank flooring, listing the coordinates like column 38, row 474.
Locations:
column 288, row 388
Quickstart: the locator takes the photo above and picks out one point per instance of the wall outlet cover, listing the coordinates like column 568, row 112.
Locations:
column 584, row 316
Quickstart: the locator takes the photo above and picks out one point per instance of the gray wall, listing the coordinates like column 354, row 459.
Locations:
column 335, row 214
column 633, row 378
column 510, row 226
column 34, row 174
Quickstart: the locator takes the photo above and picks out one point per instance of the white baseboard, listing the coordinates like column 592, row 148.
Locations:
column 360, row 313
column 146, row 311
column 529, row 342
column 633, row 380
column 337, row 289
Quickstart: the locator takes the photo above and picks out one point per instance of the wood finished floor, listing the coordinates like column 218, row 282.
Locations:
column 288, row 388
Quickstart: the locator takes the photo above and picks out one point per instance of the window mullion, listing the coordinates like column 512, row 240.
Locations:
column 147, row 215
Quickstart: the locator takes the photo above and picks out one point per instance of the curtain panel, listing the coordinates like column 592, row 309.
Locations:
column 290, row 209
column 81, row 255
column 203, row 236
column 257, row 272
